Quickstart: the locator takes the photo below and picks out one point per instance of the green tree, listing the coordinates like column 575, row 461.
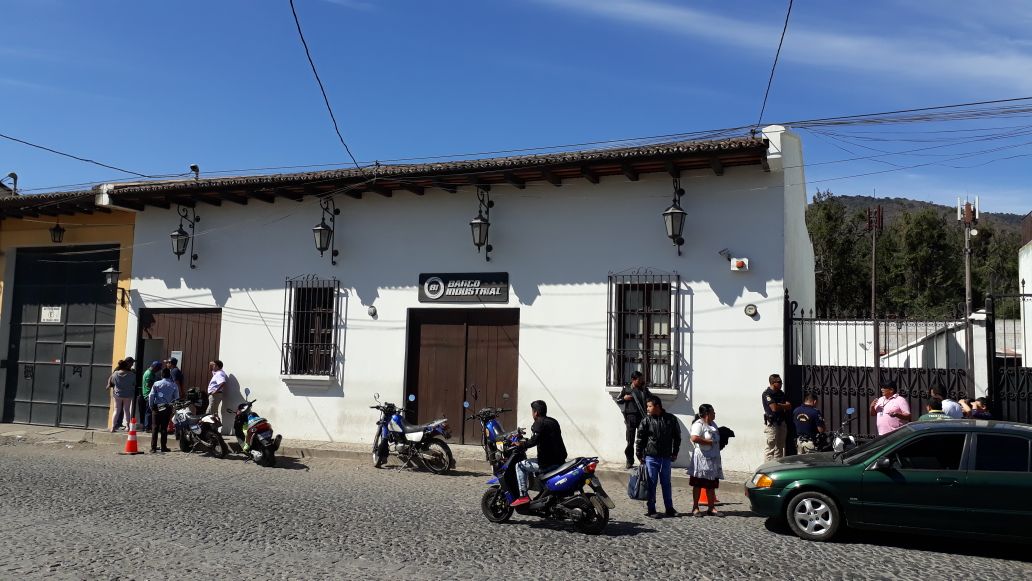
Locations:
column 842, row 274
column 922, row 275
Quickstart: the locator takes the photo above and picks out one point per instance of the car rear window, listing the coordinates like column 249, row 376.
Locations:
column 1002, row 453
column 931, row 452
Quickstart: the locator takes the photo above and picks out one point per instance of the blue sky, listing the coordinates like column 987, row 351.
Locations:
column 155, row 86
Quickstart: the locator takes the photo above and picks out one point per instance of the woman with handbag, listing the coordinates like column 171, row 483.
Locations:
column 705, row 469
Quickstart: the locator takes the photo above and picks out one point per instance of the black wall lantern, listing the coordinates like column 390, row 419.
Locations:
column 183, row 240
column 481, row 225
column 325, row 233
column 673, row 218
column 111, row 279
column 57, row 233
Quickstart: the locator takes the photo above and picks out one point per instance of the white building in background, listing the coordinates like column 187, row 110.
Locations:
column 583, row 285
column 1025, row 282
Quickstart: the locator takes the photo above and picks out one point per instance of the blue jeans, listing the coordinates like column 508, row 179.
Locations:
column 659, row 472
column 523, row 471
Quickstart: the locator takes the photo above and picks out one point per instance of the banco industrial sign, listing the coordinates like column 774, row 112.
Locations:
column 467, row 287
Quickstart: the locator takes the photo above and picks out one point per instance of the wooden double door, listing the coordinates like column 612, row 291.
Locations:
column 459, row 355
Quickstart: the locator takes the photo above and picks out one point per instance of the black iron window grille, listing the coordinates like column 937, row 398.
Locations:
column 642, row 327
column 311, row 309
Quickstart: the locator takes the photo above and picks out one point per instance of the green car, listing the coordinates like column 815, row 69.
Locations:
column 954, row 477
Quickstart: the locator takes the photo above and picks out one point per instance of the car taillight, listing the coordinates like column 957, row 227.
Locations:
column 590, row 468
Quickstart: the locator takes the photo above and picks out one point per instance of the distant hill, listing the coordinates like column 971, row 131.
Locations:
column 895, row 206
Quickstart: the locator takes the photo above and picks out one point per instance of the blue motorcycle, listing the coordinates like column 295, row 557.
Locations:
column 492, row 435
column 415, row 445
column 560, row 491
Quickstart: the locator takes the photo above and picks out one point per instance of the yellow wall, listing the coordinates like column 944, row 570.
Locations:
column 113, row 228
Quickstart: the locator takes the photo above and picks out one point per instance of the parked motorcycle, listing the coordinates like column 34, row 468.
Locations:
column 420, row 445
column 493, row 434
column 192, row 430
column 560, row 491
column 841, row 441
column 254, row 434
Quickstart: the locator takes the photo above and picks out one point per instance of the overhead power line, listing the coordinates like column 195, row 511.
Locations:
column 321, row 88
column 774, row 66
column 76, row 157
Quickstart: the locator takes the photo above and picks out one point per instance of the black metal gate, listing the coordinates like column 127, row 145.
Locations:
column 832, row 357
column 1008, row 330
column 62, row 337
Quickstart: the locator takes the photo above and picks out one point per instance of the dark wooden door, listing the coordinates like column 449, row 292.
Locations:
column 62, row 337
column 194, row 332
column 456, row 353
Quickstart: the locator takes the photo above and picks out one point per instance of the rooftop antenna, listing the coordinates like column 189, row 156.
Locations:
column 14, row 180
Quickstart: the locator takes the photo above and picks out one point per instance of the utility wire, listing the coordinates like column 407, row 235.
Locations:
column 94, row 162
column 321, row 88
column 770, row 80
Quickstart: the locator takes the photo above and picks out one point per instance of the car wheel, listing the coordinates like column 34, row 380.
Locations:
column 813, row 516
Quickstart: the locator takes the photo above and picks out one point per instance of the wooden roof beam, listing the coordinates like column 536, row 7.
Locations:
column 237, row 197
column 417, row 190
column 383, row 191
column 512, row 180
column 551, row 178
column 209, row 200
column 588, row 174
column 673, row 170
column 446, row 187
column 716, row 165
column 629, row 172
column 266, row 197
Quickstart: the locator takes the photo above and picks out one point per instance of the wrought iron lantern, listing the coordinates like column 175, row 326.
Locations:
column 481, row 225
column 673, row 218
column 111, row 275
column 57, row 233
column 325, row 233
column 183, row 241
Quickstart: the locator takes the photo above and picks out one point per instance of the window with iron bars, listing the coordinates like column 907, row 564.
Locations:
column 310, row 330
column 643, row 315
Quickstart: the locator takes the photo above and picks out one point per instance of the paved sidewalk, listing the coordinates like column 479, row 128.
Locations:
column 467, row 458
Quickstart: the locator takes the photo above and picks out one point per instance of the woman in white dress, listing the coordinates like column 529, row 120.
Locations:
column 705, row 469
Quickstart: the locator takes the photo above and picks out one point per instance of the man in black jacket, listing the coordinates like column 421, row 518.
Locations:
column 548, row 438
column 632, row 402
column 659, row 440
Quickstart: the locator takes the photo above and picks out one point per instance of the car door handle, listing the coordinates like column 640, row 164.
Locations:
column 947, row 481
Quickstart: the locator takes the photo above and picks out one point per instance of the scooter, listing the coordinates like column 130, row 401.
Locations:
column 254, row 434
column 841, row 441
column 192, row 430
column 416, row 445
column 560, row 491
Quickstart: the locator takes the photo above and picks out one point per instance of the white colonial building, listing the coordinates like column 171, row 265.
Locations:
column 583, row 286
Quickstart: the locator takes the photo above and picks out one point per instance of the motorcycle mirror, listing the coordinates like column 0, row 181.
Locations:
column 376, row 396
column 465, row 404
column 247, row 392
column 850, row 411
column 412, row 397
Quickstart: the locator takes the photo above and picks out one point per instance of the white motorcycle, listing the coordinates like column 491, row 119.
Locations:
column 193, row 430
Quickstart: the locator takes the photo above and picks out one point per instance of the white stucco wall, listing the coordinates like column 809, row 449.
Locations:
column 558, row 246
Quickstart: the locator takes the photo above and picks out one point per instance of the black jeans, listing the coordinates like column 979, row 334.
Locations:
column 161, row 419
column 631, row 422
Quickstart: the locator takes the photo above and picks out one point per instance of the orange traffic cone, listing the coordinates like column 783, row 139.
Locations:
column 704, row 498
column 131, row 447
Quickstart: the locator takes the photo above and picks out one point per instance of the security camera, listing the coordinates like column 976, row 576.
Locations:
column 726, row 254
column 196, row 169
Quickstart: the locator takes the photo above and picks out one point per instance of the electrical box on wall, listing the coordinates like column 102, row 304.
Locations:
column 739, row 264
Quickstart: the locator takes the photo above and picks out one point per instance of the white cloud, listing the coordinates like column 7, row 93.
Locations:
column 1003, row 64
column 353, row 4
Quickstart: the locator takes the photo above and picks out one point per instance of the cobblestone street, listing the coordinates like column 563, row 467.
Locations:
column 80, row 511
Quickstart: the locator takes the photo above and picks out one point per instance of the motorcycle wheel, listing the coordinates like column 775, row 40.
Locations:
column 493, row 504
column 268, row 458
column 379, row 451
column 185, row 445
column 593, row 522
column 219, row 449
column 436, row 456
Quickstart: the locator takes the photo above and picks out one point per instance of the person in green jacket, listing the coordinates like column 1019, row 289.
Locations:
column 150, row 376
column 935, row 412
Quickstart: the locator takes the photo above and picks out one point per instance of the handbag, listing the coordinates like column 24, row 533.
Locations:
column 638, row 484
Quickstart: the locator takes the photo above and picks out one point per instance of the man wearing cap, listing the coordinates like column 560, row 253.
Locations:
column 892, row 411
column 150, row 376
column 632, row 403
column 776, row 410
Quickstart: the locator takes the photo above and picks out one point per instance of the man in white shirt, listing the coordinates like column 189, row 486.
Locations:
column 949, row 406
column 216, row 387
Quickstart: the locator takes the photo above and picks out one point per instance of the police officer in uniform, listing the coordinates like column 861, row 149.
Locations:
column 808, row 423
column 776, row 409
